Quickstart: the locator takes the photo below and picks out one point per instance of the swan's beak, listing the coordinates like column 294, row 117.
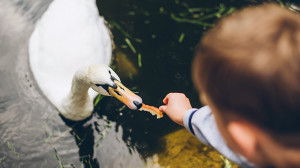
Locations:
column 126, row 96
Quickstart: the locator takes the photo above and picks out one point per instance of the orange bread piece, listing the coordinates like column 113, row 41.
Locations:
column 151, row 109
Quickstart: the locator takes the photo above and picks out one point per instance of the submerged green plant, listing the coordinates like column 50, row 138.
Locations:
column 192, row 21
column 98, row 99
column 76, row 136
column 102, row 129
column 49, row 136
column 12, row 149
column 130, row 45
column 1, row 160
column 86, row 159
column 226, row 162
column 124, row 32
column 58, row 158
column 140, row 60
column 181, row 38
column 122, row 108
column 201, row 16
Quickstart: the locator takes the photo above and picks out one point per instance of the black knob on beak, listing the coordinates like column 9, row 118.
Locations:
column 137, row 104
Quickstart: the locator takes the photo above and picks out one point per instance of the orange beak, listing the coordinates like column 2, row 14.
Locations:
column 126, row 96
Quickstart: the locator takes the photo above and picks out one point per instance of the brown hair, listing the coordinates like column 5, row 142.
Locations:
column 249, row 65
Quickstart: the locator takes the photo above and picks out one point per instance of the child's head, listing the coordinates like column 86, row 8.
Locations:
column 248, row 65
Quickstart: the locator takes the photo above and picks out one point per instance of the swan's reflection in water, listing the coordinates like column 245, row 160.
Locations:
column 104, row 140
column 83, row 133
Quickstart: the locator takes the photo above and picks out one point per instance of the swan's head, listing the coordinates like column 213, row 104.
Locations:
column 106, row 82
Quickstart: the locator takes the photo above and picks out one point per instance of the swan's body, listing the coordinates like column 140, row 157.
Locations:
column 70, row 35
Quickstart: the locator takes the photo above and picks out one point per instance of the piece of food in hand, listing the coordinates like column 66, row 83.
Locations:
column 151, row 109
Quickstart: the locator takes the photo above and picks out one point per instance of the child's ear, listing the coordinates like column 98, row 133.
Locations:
column 243, row 135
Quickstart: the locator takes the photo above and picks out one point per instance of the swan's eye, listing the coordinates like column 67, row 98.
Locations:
column 104, row 86
column 109, row 72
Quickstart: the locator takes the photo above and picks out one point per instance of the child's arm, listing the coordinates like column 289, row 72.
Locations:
column 176, row 104
column 199, row 122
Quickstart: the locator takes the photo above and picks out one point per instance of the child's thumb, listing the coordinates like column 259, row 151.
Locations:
column 163, row 108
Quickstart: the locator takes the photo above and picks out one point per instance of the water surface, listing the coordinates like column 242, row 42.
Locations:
column 154, row 43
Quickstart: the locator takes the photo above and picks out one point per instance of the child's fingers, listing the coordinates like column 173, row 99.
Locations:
column 162, row 108
column 166, row 99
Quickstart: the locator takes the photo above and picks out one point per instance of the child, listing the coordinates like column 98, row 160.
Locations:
column 247, row 70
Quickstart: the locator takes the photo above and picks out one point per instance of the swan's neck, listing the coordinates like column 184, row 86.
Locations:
column 78, row 105
column 80, row 87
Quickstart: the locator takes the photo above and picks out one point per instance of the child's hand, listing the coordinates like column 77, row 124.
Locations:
column 176, row 106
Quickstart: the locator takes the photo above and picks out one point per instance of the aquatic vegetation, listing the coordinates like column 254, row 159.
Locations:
column 130, row 45
column 102, row 129
column 86, row 160
column 98, row 99
column 140, row 60
column 2, row 158
column 49, row 136
column 10, row 146
column 228, row 164
column 201, row 16
column 58, row 158
column 189, row 150
column 181, row 38
column 121, row 108
column 115, row 24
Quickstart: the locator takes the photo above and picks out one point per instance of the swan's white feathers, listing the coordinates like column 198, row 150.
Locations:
column 99, row 74
column 68, row 36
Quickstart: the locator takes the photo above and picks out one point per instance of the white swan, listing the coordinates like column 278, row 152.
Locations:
column 70, row 36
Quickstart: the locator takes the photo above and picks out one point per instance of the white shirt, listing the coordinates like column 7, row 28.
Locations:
column 201, row 123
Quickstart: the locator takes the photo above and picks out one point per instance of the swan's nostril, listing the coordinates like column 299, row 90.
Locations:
column 137, row 104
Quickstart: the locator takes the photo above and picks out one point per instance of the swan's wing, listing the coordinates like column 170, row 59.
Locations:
column 69, row 35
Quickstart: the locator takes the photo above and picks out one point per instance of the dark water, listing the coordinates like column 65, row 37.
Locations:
column 32, row 134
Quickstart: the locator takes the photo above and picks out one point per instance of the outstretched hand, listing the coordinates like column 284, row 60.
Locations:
column 176, row 104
